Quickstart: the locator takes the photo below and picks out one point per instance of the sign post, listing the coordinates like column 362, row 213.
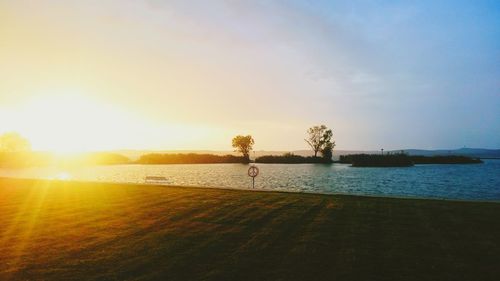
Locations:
column 253, row 171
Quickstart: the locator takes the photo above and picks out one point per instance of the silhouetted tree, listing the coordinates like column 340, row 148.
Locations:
column 243, row 144
column 13, row 142
column 319, row 138
column 327, row 152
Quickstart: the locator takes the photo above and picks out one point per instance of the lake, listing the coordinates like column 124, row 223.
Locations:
column 469, row 182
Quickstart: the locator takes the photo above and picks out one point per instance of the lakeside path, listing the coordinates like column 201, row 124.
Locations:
column 52, row 230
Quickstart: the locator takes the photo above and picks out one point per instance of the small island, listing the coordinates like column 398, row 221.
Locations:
column 290, row 158
column 189, row 158
column 445, row 159
column 376, row 160
column 403, row 160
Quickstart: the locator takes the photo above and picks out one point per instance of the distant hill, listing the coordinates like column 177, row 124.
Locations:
column 471, row 152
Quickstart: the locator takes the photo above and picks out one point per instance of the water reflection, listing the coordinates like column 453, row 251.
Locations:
column 480, row 181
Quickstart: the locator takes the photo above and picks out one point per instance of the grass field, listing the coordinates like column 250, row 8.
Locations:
column 67, row 230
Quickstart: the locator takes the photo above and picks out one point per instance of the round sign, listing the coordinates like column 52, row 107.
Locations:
column 253, row 171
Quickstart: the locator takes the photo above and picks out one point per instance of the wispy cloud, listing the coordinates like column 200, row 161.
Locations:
column 426, row 71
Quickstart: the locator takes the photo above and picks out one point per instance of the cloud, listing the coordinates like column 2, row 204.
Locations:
column 366, row 68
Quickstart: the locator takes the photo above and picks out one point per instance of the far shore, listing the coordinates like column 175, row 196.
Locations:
column 40, row 159
column 101, row 231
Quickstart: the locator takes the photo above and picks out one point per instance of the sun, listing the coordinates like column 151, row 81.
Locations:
column 64, row 176
column 75, row 121
column 70, row 122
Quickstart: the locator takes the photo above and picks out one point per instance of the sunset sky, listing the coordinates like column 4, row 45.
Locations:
column 101, row 75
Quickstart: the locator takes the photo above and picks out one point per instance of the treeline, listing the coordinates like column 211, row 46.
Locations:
column 377, row 160
column 41, row 159
column 402, row 160
column 447, row 159
column 290, row 158
column 189, row 158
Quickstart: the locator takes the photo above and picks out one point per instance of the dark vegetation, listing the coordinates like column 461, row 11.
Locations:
column 377, row 160
column 290, row 158
column 87, row 231
column 448, row 159
column 189, row 158
column 470, row 152
column 402, row 160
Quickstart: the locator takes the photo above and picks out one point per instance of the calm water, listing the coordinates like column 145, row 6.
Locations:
column 478, row 182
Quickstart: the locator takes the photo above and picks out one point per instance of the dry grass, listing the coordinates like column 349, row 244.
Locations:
column 67, row 230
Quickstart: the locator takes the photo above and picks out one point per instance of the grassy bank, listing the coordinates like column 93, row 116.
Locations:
column 66, row 230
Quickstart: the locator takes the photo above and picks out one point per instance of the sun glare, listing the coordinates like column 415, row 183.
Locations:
column 63, row 176
column 71, row 122
column 61, row 123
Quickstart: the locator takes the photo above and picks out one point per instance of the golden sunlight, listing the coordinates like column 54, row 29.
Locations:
column 67, row 123
column 72, row 121
column 63, row 176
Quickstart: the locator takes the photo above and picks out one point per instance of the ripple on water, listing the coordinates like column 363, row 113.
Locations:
column 477, row 182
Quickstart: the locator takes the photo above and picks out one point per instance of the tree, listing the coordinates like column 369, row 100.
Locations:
column 243, row 144
column 327, row 152
column 13, row 142
column 320, row 137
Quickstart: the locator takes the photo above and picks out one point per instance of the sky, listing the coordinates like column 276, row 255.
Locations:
column 102, row 75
